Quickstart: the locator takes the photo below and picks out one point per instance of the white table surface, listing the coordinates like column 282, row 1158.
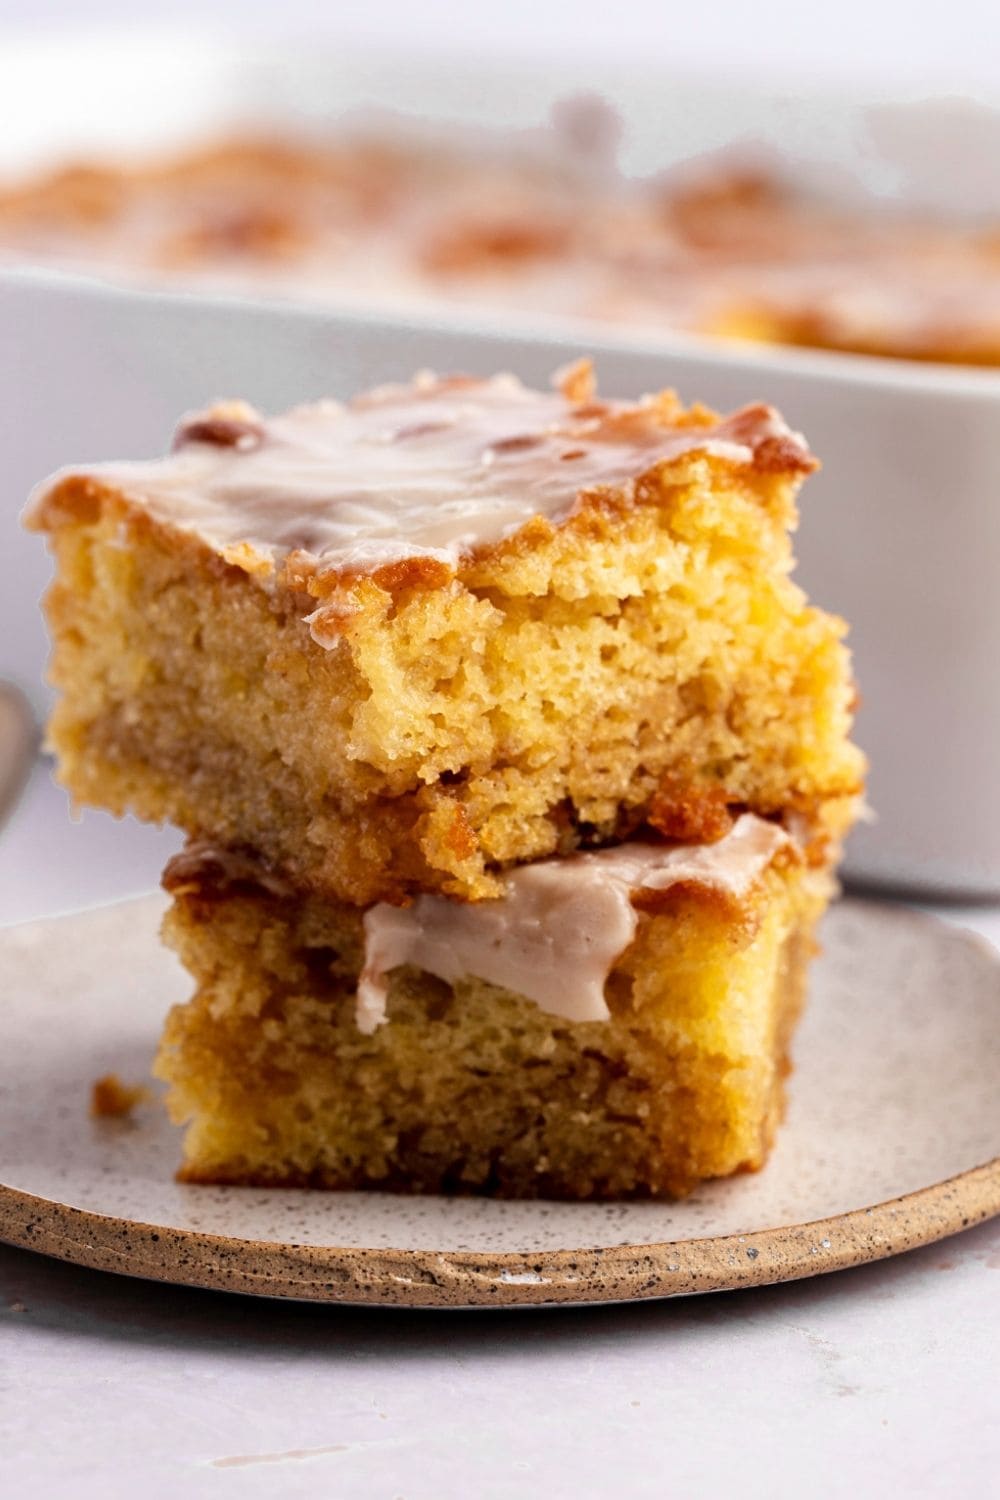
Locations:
column 882, row 1380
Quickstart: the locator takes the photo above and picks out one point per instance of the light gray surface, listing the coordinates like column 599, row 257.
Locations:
column 879, row 1381
column 50, row 864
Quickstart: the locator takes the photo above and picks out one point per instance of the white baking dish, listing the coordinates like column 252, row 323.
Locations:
column 901, row 530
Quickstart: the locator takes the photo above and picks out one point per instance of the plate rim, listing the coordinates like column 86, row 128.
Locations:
column 467, row 1279
column 383, row 1276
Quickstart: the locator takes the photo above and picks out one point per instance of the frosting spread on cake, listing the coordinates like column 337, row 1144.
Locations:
column 553, row 936
column 561, row 924
column 434, row 469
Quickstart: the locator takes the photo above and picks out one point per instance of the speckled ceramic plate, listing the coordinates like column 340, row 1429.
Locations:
column 892, row 1140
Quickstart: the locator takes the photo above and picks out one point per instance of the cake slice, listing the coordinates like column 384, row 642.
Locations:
column 616, row 1023
column 401, row 645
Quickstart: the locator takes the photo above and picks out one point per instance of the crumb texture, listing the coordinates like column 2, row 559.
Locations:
column 111, row 1099
column 648, row 660
column 475, row 1089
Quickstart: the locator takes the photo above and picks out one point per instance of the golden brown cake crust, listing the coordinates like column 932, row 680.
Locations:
column 637, row 655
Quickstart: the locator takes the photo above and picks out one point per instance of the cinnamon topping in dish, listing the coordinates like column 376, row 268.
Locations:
column 722, row 247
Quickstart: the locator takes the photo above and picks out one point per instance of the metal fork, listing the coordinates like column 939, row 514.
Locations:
column 19, row 736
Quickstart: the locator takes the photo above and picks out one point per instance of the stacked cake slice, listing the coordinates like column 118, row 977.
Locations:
column 515, row 768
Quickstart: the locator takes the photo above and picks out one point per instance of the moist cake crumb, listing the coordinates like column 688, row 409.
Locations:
column 469, row 1086
column 401, row 645
column 112, row 1099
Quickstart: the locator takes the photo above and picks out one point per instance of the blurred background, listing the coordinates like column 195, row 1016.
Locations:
column 72, row 386
column 940, row 45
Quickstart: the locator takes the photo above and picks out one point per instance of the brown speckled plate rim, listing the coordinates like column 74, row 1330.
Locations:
column 468, row 1279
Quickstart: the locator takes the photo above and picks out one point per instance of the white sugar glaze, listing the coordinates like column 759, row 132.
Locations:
column 561, row 924
column 434, row 469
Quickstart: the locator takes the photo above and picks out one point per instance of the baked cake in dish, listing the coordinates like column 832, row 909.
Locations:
column 539, row 228
column 614, row 1024
column 401, row 645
